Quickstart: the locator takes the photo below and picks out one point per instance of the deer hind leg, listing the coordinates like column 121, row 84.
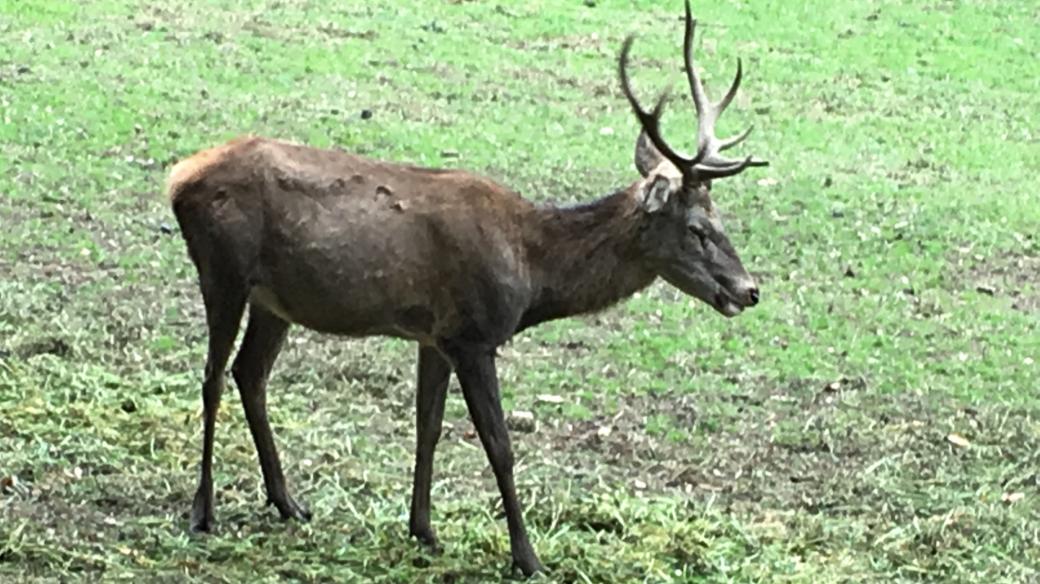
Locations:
column 265, row 334
column 434, row 372
column 224, row 298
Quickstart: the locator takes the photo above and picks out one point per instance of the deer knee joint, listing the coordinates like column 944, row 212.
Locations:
column 501, row 454
column 238, row 372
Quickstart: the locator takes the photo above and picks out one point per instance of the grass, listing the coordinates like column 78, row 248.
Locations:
column 874, row 419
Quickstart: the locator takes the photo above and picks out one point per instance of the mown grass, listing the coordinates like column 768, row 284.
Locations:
column 874, row 419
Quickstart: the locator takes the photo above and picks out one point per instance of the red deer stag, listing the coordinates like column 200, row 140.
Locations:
column 352, row 246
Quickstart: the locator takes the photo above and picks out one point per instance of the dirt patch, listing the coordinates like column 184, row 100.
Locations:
column 47, row 346
column 803, row 445
column 1009, row 275
column 583, row 43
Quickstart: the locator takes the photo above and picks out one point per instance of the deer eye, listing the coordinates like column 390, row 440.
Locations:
column 700, row 235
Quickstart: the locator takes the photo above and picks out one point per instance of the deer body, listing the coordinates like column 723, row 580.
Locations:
column 348, row 245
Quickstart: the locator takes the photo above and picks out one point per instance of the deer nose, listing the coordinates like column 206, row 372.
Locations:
column 752, row 295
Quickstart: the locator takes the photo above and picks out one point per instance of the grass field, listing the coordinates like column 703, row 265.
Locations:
column 874, row 419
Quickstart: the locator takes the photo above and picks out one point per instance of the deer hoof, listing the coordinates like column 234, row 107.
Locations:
column 201, row 522
column 427, row 539
column 529, row 566
column 201, row 513
column 290, row 509
column 201, row 527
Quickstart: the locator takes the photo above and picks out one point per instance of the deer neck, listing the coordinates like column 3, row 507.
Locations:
column 584, row 258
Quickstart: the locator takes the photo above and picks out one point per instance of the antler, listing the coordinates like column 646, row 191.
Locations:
column 650, row 121
column 708, row 145
column 708, row 163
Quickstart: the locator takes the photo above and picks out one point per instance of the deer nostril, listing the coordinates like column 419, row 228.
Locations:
column 753, row 296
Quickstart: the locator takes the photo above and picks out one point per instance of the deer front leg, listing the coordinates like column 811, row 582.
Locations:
column 476, row 372
column 434, row 371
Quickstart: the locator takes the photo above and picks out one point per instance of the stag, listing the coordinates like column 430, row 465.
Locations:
column 348, row 245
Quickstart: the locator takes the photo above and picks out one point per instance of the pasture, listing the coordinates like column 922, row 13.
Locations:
column 875, row 418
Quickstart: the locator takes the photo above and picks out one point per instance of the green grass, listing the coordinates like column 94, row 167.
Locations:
column 809, row 440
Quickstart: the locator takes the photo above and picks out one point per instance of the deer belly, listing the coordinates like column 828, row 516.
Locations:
column 368, row 311
column 351, row 279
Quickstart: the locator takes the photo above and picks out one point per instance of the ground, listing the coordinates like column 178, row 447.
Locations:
column 873, row 419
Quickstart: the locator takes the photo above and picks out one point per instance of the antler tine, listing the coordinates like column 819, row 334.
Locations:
column 731, row 142
column 650, row 121
column 732, row 89
column 721, row 167
column 717, row 170
column 700, row 99
column 711, row 164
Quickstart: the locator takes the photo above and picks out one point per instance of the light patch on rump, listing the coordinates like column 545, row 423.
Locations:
column 193, row 168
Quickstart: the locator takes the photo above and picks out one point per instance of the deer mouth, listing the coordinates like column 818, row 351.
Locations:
column 725, row 304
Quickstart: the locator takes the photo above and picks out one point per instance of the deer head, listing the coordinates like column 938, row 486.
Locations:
column 683, row 237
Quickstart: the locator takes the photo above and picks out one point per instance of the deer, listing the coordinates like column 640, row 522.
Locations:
column 354, row 246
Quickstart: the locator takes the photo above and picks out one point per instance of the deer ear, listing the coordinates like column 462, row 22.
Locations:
column 657, row 193
column 647, row 156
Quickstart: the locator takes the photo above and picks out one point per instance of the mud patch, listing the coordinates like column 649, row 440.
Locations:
column 47, row 346
column 819, row 447
column 1009, row 275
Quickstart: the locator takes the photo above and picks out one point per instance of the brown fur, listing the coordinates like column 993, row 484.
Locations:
column 349, row 245
column 191, row 169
